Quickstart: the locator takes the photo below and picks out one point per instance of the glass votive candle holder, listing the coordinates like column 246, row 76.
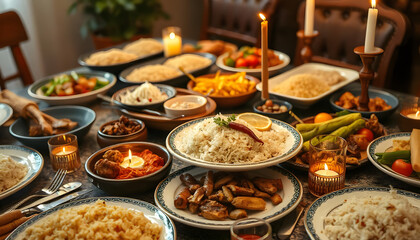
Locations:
column 250, row 229
column 172, row 41
column 409, row 116
column 327, row 164
column 64, row 152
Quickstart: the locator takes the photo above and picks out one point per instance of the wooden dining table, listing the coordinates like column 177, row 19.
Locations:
column 366, row 175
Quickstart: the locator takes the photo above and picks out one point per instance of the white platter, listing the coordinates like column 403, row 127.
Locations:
column 349, row 74
column 254, row 72
column 27, row 156
column 168, row 189
column 5, row 113
column 294, row 143
column 320, row 208
column 382, row 144
column 150, row 211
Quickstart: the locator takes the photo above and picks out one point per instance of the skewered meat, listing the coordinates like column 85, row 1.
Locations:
column 237, row 214
column 189, row 181
column 276, row 199
column 181, row 200
column 250, row 203
column 208, row 183
column 213, row 210
column 113, row 156
column 106, row 168
column 240, row 191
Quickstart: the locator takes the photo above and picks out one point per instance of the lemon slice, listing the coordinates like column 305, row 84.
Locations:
column 259, row 122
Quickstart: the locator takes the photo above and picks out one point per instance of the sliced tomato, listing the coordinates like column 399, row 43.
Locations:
column 402, row 167
column 367, row 133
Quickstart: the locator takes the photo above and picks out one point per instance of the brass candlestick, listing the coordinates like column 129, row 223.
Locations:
column 366, row 74
column 306, row 51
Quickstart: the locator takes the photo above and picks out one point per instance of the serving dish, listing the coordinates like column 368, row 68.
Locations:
column 105, row 140
column 27, row 156
column 114, row 68
column 348, row 74
column 5, row 113
column 322, row 207
column 82, row 115
column 166, row 124
column 381, row 145
column 293, row 143
column 228, row 101
column 200, row 106
column 281, row 116
column 373, row 93
column 150, row 212
column 254, row 72
column 179, row 81
column 169, row 188
column 168, row 90
column 130, row 185
column 35, row 89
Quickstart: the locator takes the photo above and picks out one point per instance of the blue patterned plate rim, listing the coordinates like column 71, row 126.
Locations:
column 309, row 215
column 139, row 205
column 219, row 225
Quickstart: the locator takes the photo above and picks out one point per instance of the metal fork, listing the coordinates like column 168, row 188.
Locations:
column 52, row 188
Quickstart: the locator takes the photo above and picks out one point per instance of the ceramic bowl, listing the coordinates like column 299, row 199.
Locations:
column 131, row 185
column 373, row 93
column 105, row 140
column 228, row 101
column 82, row 115
column 199, row 102
column 281, row 116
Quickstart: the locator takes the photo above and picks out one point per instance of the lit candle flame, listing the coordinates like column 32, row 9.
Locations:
column 172, row 35
column 262, row 16
column 129, row 155
column 325, row 166
column 64, row 149
column 373, row 3
column 64, row 138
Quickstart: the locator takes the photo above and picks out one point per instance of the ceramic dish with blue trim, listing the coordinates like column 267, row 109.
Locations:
column 323, row 206
column 170, row 187
column 5, row 113
column 383, row 144
column 27, row 156
column 292, row 146
column 149, row 210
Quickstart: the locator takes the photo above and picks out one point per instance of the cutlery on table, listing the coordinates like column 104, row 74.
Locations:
column 46, row 191
column 11, row 220
column 288, row 224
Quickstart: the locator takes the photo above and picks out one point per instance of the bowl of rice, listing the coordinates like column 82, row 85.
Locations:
column 167, row 71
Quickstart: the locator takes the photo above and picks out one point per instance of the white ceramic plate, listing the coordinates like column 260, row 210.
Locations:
column 28, row 156
column 5, row 113
column 382, row 144
column 168, row 189
column 314, row 217
column 254, row 72
column 293, row 145
column 300, row 102
column 149, row 210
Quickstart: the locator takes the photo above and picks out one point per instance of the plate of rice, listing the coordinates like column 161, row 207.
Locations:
column 364, row 213
column 99, row 218
column 204, row 143
column 19, row 166
column 310, row 82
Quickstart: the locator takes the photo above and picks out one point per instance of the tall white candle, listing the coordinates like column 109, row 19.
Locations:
column 370, row 28
column 264, row 57
column 309, row 17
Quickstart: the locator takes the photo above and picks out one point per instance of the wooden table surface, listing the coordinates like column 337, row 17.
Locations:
column 366, row 175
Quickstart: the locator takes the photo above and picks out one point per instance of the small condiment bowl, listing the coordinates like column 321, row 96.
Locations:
column 105, row 140
column 131, row 185
column 199, row 102
column 406, row 124
column 281, row 116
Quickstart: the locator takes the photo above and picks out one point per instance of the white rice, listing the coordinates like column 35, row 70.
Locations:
column 302, row 85
column 144, row 46
column 110, row 57
column 375, row 217
column 189, row 62
column 210, row 142
column 11, row 172
column 152, row 73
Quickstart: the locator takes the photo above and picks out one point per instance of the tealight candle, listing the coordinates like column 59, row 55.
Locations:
column 414, row 115
column 326, row 172
column 172, row 41
column 64, row 152
column 132, row 161
column 370, row 28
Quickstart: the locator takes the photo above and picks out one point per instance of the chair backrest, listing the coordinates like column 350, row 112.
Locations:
column 235, row 19
column 342, row 24
column 12, row 33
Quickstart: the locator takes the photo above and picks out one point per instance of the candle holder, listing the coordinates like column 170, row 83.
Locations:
column 409, row 116
column 306, row 51
column 172, row 41
column 327, row 164
column 366, row 74
column 64, row 152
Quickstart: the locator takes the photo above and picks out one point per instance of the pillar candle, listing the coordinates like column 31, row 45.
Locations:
column 309, row 17
column 264, row 57
column 370, row 29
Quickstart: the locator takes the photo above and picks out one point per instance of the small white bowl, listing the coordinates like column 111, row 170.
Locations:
column 183, row 108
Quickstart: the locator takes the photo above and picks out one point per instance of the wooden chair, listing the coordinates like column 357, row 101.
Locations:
column 342, row 24
column 235, row 20
column 12, row 33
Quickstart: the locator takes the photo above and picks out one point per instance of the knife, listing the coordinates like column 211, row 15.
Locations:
column 66, row 188
column 288, row 224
